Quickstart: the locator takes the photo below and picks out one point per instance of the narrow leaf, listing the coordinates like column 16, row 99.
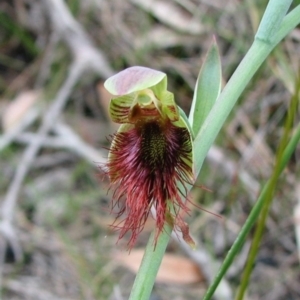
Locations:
column 208, row 87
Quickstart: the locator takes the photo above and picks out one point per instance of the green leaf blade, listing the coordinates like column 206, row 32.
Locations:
column 208, row 87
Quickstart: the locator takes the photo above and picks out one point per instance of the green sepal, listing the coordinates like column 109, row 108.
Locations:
column 135, row 79
column 208, row 87
column 185, row 119
column 160, row 88
column 169, row 107
column 119, row 108
column 183, row 123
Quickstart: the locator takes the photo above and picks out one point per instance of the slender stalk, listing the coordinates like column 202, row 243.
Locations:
column 253, row 60
column 269, row 196
column 272, row 18
column 227, row 99
column 145, row 278
column 289, row 22
column 252, row 218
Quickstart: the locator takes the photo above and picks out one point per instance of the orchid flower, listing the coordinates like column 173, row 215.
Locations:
column 151, row 154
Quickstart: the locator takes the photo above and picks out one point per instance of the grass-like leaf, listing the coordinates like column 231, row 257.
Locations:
column 208, row 87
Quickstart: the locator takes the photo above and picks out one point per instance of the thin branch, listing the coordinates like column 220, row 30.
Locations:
column 9, row 203
column 26, row 121
column 86, row 58
column 66, row 139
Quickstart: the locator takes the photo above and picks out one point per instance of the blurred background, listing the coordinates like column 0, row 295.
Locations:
column 55, row 239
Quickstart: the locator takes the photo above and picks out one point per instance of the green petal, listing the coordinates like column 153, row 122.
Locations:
column 134, row 79
column 169, row 107
column 119, row 108
column 160, row 88
column 183, row 123
column 207, row 88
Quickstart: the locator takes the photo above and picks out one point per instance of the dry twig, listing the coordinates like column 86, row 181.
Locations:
column 86, row 58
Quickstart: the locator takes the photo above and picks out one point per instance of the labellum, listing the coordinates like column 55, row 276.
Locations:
column 150, row 161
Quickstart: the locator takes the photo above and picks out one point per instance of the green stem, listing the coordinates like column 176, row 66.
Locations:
column 252, row 218
column 253, row 60
column 227, row 99
column 145, row 278
column 272, row 18
column 269, row 196
column 289, row 22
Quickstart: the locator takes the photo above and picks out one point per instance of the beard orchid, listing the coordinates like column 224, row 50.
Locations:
column 150, row 162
